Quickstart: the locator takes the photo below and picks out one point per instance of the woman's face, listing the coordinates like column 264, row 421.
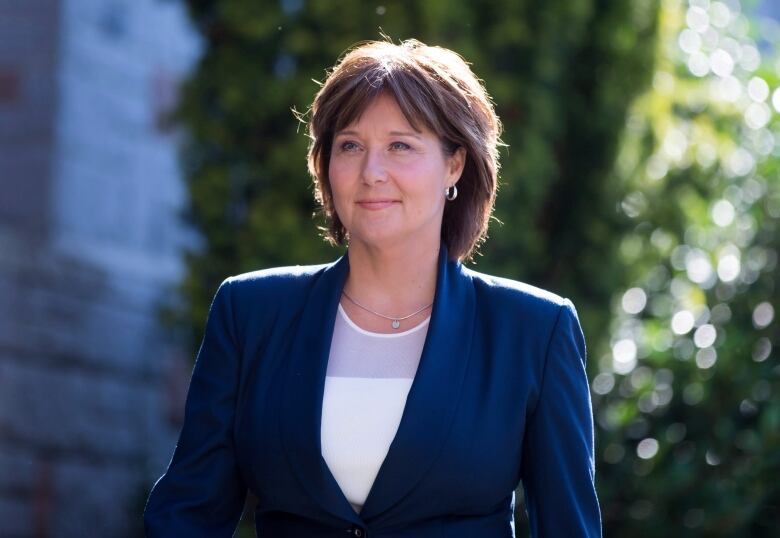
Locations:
column 388, row 180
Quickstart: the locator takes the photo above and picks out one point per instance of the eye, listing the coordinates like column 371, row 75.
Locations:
column 399, row 146
column 348, row 146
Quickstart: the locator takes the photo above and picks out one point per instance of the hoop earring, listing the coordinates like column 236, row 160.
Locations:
column 451, row 194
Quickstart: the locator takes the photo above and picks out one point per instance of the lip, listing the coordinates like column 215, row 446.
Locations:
column 375, row 205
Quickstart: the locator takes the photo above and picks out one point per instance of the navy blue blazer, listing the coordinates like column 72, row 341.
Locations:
column 500, row 395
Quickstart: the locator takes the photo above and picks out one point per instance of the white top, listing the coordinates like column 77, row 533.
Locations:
column 368, row 379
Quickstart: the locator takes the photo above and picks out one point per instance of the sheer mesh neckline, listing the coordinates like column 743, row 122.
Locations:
column 354, row 326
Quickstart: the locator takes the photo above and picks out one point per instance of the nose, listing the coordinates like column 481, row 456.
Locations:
column 374, row 169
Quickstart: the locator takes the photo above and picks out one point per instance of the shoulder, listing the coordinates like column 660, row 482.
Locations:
column 285, row 281
column 525, row 305
column 291, row 275
column 516, row 296
column 501, row 288
column 260, row 300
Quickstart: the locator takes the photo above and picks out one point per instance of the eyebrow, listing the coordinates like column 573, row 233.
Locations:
column 405, row 133
column 392, row 133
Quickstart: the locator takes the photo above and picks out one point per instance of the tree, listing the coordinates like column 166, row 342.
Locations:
column 689, row 421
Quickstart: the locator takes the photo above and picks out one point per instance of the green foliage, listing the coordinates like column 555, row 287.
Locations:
column 686, row 401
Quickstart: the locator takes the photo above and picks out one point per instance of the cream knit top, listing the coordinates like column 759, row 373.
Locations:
column 367, row 381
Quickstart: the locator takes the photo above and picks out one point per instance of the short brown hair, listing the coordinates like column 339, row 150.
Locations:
column 433, row 86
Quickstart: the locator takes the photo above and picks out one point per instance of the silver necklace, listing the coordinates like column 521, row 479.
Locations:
column 396, row 321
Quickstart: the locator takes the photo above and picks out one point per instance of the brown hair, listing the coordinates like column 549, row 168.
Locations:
column 433, row 86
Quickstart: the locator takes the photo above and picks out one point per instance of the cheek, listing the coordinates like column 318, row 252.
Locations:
column 427, row 184
column 336, row 174
column 339, row 188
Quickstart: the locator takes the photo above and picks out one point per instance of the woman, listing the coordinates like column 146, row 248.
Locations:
column 393, row 392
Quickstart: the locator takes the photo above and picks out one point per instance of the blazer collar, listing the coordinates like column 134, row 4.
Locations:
column 430, row 404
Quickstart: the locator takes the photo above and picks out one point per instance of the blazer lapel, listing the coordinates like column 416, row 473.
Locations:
column 430, row 404
column 301, row 411
column 435, row 391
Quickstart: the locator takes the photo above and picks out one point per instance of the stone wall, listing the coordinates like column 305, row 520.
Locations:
column 91, row 384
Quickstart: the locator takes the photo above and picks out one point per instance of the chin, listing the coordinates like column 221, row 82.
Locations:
column 379, row 238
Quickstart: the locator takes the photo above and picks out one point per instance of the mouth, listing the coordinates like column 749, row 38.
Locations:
column 377, row 204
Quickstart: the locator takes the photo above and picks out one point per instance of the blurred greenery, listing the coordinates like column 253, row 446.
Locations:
column 686, row 395
column 640, row 180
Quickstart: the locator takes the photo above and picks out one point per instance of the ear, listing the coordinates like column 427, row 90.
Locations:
column 455, row 163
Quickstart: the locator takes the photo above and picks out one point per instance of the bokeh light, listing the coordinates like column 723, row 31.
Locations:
column 647, row 448
column 763, row 315
column 624, row 356
column 634, row 300
column 682, row 322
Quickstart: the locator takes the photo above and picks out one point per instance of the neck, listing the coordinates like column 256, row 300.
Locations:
column 393, row 280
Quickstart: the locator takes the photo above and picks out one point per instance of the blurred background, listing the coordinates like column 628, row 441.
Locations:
column 148, row 150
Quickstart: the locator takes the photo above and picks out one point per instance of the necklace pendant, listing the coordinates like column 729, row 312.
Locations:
column 396, row 324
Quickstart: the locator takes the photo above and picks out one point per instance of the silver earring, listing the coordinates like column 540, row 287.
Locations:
column 451, row 192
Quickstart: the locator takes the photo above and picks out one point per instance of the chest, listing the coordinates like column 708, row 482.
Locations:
column 474, row 459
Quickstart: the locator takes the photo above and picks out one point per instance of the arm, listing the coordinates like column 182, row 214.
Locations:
column 202, row 493
column 558, row 465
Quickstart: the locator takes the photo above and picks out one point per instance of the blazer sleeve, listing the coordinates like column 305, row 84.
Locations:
column 558, row 463
column 202, row 492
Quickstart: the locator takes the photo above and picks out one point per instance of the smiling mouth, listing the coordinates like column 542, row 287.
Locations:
column 376, row 204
